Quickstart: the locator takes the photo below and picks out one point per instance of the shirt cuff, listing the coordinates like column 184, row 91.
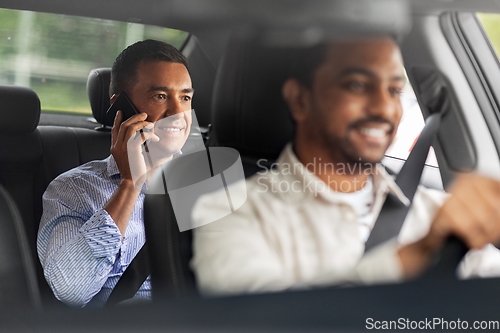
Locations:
column 102, row 235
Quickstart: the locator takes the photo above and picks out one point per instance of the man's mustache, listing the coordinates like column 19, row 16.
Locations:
column 166, row 122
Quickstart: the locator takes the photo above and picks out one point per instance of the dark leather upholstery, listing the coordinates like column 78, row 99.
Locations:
column 21, row 152
column 248, row 112
column 20, row 110
column 202, row 73
column 18, row 281
column 31, row 157
column 98, row 92
column 65, row 148
column 20, row 168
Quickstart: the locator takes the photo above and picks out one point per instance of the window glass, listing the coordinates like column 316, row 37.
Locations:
column 491, row 24
column 53, row 54
column 412, row 123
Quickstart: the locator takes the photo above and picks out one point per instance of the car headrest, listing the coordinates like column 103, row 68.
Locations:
column 98, row 92
column 248, row 110
column 20, row 110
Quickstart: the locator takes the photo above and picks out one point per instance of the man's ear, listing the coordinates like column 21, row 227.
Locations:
column 296, row 96
column 113, row 98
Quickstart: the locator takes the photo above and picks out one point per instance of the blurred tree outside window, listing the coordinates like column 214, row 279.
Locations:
column 491, row 24
column 53, row 54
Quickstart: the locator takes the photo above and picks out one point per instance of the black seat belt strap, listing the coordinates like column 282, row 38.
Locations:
column 132, row 279
column 393, row 212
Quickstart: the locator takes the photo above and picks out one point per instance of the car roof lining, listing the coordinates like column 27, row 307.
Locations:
column 182, row 13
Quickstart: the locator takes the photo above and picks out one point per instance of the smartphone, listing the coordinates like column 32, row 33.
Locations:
column 123, row 104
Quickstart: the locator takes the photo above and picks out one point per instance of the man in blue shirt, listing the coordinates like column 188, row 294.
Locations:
column 92, row 224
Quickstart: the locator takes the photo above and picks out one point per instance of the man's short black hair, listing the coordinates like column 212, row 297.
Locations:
column 305, row 62
column 123, row 73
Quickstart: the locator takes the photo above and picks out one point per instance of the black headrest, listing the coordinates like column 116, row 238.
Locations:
column 248, row 110
column 98, row 92
column 20, row 110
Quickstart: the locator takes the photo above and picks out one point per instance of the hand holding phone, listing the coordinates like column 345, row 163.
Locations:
column 128, row 109
column 123, row 104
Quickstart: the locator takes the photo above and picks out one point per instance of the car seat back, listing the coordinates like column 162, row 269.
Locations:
column 18, row 281
column 31, row 157
column 248, row 111
column 21, row 153
column 98, row 93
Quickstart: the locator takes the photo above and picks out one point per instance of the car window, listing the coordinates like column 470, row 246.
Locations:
column 491, row 25
column 53, row 54
column 412, row 123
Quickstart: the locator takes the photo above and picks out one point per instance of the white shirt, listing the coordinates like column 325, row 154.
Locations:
column 362, row 203
column 293, row 231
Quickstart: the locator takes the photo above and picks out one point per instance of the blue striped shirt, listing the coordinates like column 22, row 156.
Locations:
column 79, row 244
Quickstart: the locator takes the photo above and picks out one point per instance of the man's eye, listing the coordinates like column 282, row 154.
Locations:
column 160, row 96
column 356, row 86
column 186, row 98
column 395, row 91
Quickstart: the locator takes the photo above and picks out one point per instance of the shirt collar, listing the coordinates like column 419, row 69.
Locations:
column 294, row 172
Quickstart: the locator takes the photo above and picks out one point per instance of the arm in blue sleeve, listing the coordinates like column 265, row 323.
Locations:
column 77, row 244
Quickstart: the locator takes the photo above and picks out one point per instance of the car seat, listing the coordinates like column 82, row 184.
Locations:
column 98, row 93
column 18, row 281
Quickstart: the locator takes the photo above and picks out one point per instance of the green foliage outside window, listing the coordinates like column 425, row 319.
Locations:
column 491, row 24
column 53, row 54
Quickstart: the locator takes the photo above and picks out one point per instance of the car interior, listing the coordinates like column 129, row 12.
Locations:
column 238, row 59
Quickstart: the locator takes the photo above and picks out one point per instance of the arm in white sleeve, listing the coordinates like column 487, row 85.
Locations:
column 234, row 255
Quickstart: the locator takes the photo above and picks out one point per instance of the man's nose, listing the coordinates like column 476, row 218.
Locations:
column 173, row 109
column 382, row 103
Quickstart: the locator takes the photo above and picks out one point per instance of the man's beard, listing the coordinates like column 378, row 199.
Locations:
column 345, row 153
column 343, row 150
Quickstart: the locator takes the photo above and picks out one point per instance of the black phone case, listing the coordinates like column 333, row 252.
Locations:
column 124, row 104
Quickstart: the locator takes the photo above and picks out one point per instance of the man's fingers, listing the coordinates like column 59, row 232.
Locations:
column 116, row 127
column 133, row 132
column 136, row 141
column 482, row 202
column 456, row 219
column 132, row 125
column 490, row 213
column 472, row 213
column 149, row 136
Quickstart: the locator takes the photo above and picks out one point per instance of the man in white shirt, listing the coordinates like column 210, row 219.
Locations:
column 305, row 223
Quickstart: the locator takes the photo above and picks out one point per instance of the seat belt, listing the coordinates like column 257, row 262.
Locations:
column 393, row 213
column 132, row 279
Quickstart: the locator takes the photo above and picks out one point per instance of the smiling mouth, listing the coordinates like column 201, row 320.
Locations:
column 172, row 129
column 377, row 133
